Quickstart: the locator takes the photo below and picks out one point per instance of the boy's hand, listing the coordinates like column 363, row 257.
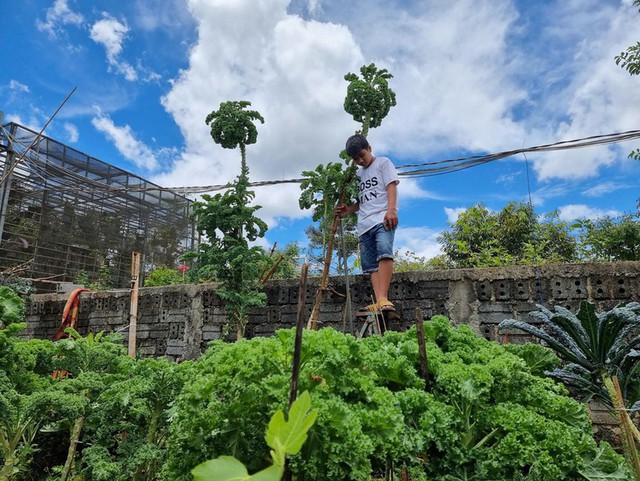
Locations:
column 343, row 210
column 390, row 221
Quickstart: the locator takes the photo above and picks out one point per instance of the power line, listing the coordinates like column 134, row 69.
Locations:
column 418, row 170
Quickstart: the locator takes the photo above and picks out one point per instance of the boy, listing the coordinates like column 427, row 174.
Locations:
column 377, row 217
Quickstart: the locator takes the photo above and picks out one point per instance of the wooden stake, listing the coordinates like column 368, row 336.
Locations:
column 422, row 348
column 297, row 350
column 324, row 280
column 133, row 311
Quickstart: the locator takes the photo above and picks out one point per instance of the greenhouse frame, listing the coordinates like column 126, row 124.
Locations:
column 65, row 215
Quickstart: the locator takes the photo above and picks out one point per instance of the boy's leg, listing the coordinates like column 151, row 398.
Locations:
column 381, row 279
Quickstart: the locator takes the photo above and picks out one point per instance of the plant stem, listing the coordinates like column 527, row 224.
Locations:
column 73, row 446
column 624, row 421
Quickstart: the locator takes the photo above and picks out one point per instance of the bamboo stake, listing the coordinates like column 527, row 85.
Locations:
column 133, row 311
column 324, row 280
column 628, row 442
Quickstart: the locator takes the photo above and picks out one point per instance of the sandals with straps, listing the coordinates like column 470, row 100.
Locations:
column 369, row 308
column 386, row 305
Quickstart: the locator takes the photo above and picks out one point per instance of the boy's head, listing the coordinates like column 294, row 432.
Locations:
column 355, row 145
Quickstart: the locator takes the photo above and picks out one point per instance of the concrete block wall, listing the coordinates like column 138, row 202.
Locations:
column 179, row 321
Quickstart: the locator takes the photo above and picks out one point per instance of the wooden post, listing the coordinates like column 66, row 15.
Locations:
column 422, row 348
column 133, row 311
column 297, row 350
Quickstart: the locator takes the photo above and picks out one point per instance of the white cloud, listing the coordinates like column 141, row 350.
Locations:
column 17, row 86
column 573, row 212
column 453, row 213
column 125, row 141
column 443, row 60
column 410, row 189
column 422, row 241
column 72, row 132
column 111, row 33
column 598, row 97
column 58, row 16
column 289, row 69
column 603, row 188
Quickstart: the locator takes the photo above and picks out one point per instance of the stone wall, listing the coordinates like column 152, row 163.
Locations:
column 179, row 321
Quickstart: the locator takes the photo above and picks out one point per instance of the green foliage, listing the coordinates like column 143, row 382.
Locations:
column 138, row 404
column 164, row 276
column 321, row 190
column 369, row 99
column 485, row 417
column 232, row 126
column 515, row 235
column 11, row 307
column 409, row 261
column 123, row 405
column 539, row 359
column 610, row 239
column 284, row 437
column 19, row 285
column 630, row 59
column 228, row 222
column 593, row 344
column 287, row 259
column 99, row 282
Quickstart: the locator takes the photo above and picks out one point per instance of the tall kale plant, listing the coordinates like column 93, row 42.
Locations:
column 229, row 224
column 369, row 99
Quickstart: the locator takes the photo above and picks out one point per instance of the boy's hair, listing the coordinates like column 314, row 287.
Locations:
column 355, row 145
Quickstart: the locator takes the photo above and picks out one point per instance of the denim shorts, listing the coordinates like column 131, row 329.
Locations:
column 375, row 244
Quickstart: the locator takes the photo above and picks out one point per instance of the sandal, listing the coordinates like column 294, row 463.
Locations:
column 386, row 306
column 369, row 308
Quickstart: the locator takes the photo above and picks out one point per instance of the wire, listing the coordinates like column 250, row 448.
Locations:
column 417, row 170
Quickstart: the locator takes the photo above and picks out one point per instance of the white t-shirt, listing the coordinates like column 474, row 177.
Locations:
column 372, row 192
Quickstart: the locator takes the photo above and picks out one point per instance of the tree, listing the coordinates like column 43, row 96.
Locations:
column 515, row 235
column 281, row 263
column 610, row 239
column 229, row 223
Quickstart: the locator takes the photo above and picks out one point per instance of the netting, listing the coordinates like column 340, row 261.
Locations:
column 65, row 215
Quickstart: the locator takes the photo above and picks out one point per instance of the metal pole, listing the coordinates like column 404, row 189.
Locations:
column 4, row 178
column 5, row 189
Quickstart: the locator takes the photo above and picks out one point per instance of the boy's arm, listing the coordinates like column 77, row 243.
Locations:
column 343, row 209
column 391, row 217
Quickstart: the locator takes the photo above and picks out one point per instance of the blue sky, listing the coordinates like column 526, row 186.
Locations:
column 471, row 77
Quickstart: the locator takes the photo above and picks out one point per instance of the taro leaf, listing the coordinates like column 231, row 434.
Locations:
column 228, row 468
column 287, row 437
